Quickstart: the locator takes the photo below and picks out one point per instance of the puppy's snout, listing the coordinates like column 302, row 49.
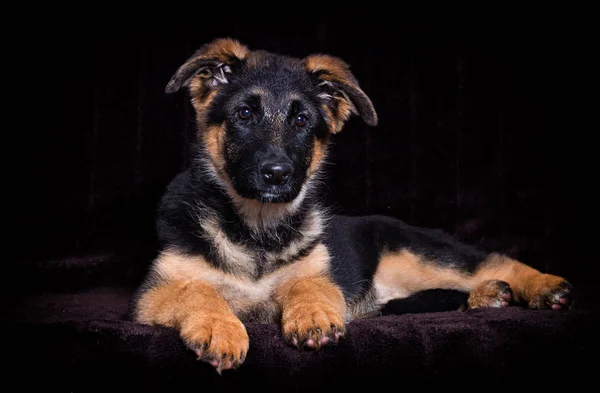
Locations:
column 276, row 173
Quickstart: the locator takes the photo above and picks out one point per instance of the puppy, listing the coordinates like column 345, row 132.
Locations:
column 244, row 236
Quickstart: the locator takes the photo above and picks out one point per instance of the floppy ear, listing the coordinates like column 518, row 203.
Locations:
column 340, row 92
column 211, row 63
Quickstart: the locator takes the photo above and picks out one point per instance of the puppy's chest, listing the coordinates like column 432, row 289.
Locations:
column 254, row 260
column 251, row 295
column 255, row 255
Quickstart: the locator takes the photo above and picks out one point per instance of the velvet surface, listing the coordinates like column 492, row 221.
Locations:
column 82, row 341
column 484, row 132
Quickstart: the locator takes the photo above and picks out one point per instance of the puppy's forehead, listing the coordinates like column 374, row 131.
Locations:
column 262, row 59
column 277, row 90
column 277, row 81
column 273, row 96
column 275, row 72
column 276, row 105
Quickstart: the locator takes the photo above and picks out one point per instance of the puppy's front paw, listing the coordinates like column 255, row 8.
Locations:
column 219, row 339
column 312, row 325
column 549, row 291
column 490, row 293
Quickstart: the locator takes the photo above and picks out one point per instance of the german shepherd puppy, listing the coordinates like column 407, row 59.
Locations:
column 244, row 237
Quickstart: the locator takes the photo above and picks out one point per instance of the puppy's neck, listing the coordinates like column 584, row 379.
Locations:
column 250, row 238
column 247, row 237
column 258, row 216
column 265, row 216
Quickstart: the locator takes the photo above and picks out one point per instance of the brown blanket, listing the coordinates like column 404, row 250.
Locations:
column 82, row 341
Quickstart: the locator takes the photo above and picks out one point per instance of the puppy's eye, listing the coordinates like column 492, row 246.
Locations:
column 244, row 113
column 301, row 120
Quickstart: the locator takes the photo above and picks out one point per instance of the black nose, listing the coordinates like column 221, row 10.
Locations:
column 276, row 173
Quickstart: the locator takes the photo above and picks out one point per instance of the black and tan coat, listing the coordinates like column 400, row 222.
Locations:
column 244, row 237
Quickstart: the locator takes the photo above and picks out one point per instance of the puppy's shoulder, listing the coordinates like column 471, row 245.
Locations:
column 179, row 213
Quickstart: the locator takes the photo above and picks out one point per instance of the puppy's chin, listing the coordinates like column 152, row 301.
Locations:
column 267, row 197
column 271, row 195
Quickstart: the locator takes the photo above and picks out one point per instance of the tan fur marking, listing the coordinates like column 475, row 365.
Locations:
column 343, row 113
column 337, row 69
column 332, row 121
column 200, row 99
column 490, row 293
column 240, row 291
column 203, row 318
column 401, row 274
column 224, row 48
column 526, row 282
column 171, row 303
column 262, row 216
column 213, row 142
column 237, row 257
column 314, row 264
column 318, row 155
column 313, row 307
column 506, row 269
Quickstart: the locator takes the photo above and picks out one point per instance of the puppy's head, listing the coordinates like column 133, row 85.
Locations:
column 265, row 119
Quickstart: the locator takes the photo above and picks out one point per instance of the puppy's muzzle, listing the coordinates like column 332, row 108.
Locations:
column 276, row 173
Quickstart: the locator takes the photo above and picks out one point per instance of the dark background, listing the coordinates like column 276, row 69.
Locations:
column 485, row 131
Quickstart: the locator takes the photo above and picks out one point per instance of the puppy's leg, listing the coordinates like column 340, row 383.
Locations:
column 490, row 293
column 313, row 307
column 498, row 278
column 496, row 281
column 313, row 312
column 204, row 320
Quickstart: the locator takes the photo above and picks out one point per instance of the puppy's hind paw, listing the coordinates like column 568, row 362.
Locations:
column 551, row 292
column 491, row 293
